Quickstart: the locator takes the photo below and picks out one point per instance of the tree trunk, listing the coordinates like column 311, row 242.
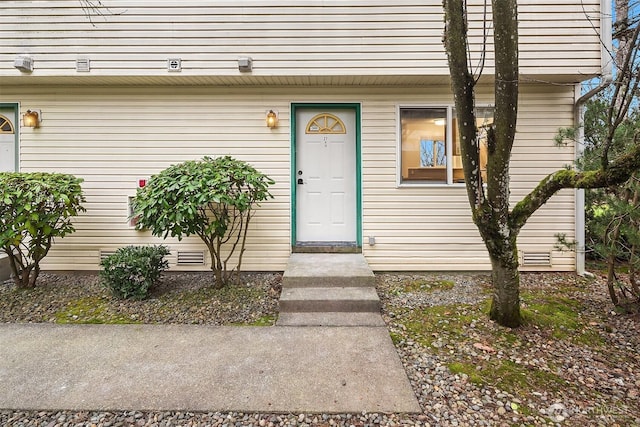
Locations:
column 490, row 213
column 621, row 30
column 505, row 277
column 611, row 263
column 635, row 290
column 505, row 305
column 611, row 279
column 216, row 267
column 462, row 85
column 21, row 274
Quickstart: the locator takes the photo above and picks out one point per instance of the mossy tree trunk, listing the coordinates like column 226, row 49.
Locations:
column 490, row 210
column 505, row 304
column 498, row 225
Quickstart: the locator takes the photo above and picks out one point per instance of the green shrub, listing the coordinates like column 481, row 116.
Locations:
column 35, row 208
column 132, row 270
column 214, row 199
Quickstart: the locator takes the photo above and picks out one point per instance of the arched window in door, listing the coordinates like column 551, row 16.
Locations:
column 5, row 125
column 325, row 123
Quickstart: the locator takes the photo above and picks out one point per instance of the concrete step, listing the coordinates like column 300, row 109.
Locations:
column 327, row 270
column 330, row 319
column 331, row 299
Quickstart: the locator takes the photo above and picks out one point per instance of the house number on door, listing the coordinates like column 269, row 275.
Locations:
column 324, row 138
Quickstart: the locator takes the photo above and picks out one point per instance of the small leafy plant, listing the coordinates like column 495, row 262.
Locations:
column 35, row 208
column 131, row 271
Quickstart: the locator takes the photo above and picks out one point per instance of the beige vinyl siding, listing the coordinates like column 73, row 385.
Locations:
column 113, row 136
column 289, row 41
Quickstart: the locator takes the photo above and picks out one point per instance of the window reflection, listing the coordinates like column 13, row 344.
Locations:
column 425, row 150
column 424, row 153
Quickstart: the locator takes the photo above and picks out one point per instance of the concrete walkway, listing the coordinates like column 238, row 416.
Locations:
column 201, row 368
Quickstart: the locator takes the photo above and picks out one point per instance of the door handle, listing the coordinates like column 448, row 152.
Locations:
column 300, row 181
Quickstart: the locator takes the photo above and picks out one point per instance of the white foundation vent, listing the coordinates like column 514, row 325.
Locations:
column 83, row 65
column 104, row 253
column 536, row 258
column 174, row 64
column 190, row 258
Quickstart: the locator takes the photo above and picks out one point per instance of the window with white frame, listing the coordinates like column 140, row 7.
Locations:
column 430, row 147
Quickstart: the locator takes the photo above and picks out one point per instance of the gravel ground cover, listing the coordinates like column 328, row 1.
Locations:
column 179, row 298
column 575, row 363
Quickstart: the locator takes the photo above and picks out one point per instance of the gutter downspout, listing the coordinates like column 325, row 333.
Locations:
column 606, row 48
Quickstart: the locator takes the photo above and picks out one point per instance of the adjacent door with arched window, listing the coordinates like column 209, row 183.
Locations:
column 325, row 176
column 7, row 140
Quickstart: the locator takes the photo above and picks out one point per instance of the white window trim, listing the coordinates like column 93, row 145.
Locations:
column 448, row 148
column 448, row 135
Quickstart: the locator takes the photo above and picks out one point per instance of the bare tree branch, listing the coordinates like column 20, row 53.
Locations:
column 93, row 8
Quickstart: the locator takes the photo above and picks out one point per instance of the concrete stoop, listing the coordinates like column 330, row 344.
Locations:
column 330, row 319
column 329, row 290
column 329, row 300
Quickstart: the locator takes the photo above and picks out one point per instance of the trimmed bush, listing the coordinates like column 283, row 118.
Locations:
column 131, row 271
column 35, row 209
column 214, row 199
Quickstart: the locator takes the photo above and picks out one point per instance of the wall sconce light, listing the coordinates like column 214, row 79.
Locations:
column 31, row 118
column 272, row 119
